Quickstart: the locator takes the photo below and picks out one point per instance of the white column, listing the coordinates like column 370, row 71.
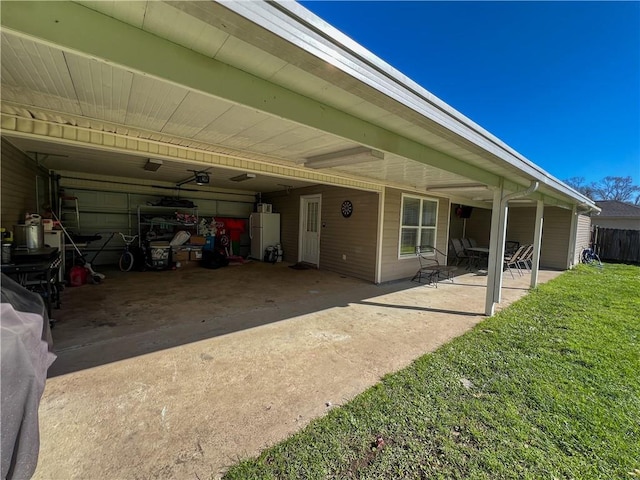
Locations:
column 571, row 257
column 380, row 241
column 537, row 243
column 496, row 250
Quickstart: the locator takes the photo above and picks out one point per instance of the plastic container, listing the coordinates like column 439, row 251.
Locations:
column 160, row 253
column 6, row 253
column 77, row 276
column 209, row 243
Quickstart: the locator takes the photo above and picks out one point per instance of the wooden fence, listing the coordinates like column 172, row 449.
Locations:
column 617, row 245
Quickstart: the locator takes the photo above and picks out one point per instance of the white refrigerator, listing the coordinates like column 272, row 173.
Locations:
column 264, row 231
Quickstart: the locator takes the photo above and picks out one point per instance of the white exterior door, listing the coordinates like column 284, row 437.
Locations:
column 309, row 243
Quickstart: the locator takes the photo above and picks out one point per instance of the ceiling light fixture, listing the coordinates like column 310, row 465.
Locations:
column 243, row 177
column 457, row 188
column 152, row 164
column 344, row 157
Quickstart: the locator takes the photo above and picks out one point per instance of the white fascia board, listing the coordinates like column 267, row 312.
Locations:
column 307, row 31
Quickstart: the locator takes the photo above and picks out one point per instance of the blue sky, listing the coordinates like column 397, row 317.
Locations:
column 557, row 81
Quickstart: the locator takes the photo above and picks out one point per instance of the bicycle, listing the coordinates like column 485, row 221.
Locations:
column 590, row 257
column 127, row 259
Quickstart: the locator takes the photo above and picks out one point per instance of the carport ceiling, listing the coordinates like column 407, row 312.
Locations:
column 44, row 81
column 69, row 159
column 194, row 80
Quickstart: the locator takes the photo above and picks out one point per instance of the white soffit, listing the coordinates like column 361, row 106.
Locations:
column 150, row 115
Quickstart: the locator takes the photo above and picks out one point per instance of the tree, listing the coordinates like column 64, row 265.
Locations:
column 609, row 188
column 579, row 185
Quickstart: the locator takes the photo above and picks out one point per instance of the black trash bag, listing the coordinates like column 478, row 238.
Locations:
column 213, row 259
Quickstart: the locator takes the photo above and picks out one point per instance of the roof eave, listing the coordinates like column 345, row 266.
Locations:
column 297, row 25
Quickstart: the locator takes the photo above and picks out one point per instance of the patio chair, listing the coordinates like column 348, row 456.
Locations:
column 526, row 258
column 458, row 250
column 510, row 247
column 474, row 258
column 512, row 260
column 431, row 270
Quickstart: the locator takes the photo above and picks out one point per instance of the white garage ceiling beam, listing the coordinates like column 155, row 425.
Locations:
column 86, row 32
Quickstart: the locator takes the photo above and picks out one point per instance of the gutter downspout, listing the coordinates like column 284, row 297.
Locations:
column 496, row 243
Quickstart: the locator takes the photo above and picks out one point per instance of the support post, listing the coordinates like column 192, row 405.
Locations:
column 496, row 250
column 571, row 255
column 537, row 243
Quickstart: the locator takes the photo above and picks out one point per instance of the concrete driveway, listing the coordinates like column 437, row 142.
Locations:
column 181, row 374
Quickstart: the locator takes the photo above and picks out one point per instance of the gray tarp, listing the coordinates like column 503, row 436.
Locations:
column 26, row 350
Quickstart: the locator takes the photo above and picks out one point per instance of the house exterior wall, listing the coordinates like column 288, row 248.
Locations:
column 621, row 223
column 521, row 223
column 355, row 237
column 392, row 267
column 19, row 177
column 583, row 236
column 479, row 226
column 521, row 226
column 556, row 234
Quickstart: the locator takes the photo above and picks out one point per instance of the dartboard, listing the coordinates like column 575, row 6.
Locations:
column 346, row 209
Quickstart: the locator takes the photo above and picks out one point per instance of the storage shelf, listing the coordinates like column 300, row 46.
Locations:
column 144, row 224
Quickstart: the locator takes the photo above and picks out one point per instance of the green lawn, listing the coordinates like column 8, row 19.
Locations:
column 554, row 393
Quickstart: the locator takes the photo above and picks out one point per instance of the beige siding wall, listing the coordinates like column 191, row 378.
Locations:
column 18, row 181
column 479, row 226
column 583, row 236
column 456, row 224
column 392, row 267
column 556, row 232
column 353, row 237
column 619, row 223
column 521, row 226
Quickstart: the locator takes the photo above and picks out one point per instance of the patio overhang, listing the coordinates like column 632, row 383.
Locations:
column 262, row 81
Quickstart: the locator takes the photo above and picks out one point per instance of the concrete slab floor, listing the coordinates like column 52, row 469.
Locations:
column 179, row 374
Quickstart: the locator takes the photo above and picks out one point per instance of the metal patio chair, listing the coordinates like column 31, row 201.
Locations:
column 458, row 250
column 526, row 258
column 431, row 270
column 512, row 260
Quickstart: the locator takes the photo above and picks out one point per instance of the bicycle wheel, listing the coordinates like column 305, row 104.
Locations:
column 126, row 261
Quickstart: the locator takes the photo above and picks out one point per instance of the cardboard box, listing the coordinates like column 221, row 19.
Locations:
column 195, row 255
column 180, row 256
column 197, row 240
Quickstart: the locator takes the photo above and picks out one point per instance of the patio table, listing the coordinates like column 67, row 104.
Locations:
column 475, row 255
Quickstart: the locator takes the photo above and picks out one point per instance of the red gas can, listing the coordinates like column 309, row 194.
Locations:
column 77, row 276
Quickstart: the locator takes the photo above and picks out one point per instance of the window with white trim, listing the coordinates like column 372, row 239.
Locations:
column 418, row 224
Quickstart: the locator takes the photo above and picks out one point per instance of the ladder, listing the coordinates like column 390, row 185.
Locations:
column 69, row 213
